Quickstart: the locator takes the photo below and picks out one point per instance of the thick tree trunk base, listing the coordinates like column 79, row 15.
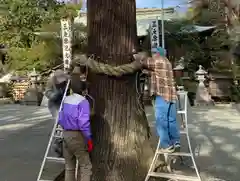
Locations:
column 120, row 131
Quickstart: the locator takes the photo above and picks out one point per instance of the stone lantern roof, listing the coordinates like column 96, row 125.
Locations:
column 201, row 71
column 33, row 73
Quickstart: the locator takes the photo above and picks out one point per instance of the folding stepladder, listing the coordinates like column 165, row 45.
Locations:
column 171, row 176
column 53, row 135
column 57, row 129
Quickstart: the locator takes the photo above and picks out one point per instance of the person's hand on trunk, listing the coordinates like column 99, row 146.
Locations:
column 146, row 72
column 140, row 57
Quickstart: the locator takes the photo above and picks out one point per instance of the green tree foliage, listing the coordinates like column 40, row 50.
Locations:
column 223, row 43
column 19, row 22
column 182, row 34
column 50, row 34
column 17, row 27
column 212, row 45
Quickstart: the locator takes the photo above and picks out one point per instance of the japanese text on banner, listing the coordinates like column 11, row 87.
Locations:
column 154, row 33
column 66, row 42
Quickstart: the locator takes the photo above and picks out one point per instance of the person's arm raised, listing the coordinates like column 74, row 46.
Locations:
column 146, row 61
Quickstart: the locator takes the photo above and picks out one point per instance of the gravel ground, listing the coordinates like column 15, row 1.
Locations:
column 24, row 132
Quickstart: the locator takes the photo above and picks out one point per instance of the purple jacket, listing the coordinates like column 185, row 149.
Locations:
column 75, row 114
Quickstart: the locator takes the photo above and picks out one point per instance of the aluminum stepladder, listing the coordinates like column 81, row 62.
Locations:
column 53, row 135
column 172, row 176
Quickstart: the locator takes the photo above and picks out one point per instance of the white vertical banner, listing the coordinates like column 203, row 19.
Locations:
column 84, row 6
column 154, row 33
column 162, row 23
column 66, row 28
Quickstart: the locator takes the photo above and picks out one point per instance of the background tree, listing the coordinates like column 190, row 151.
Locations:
column 19, row 22
column 224, row 42
column 17, row 28
column 213, row 45
column 50, row 36
column 121, row 133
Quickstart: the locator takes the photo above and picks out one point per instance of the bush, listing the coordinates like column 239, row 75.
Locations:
column 235, row 93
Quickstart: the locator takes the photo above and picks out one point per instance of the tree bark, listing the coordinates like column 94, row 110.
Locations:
column 122, row 149
column 121, row 134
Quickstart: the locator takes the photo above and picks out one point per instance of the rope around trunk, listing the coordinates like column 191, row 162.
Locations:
column 107, row 69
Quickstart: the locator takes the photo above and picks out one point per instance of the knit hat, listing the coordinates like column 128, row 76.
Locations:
column 60, row 76
column 159, row 50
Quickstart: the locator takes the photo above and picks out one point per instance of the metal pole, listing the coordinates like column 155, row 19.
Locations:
column 163, row 33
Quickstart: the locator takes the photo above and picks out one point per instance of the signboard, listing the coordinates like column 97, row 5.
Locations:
column 154, row 33
column 66, row 42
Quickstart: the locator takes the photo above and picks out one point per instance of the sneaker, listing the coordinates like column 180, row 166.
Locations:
column 177, row 147
column 169, row 149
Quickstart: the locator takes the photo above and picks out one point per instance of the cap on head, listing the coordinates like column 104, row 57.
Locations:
column 60, row 76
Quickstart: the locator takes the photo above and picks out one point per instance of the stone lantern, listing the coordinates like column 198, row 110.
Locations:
column 33, row 95
column 202, row 94
column 33, row 78
column 201, row 73
column 178, row 74
column 178, row 70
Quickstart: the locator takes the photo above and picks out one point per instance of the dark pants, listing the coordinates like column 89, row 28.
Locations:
column 53, row 108
column 74, row 149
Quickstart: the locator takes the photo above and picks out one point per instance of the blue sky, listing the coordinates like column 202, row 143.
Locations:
column 157, row 3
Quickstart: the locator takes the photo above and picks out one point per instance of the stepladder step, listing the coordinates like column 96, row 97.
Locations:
column 175, row 153
column 58, row 136
column 59, row 129
column 55, row 159
column 173, row 176
column 181, row 112
column 183, row 131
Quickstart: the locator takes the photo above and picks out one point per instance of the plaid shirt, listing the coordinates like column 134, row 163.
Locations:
column 161, row 80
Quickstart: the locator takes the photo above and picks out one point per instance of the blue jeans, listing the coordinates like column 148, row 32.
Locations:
column 166, row 122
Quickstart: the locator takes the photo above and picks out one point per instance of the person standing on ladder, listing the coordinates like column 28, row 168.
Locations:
column 74, row 117
column 54, row 91
column 163, row 92
column 55, row 88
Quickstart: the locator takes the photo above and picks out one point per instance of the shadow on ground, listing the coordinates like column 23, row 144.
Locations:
column 24, row 134
column 214, row 133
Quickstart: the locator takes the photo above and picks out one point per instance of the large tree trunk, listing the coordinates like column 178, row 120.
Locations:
column 122, row 149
